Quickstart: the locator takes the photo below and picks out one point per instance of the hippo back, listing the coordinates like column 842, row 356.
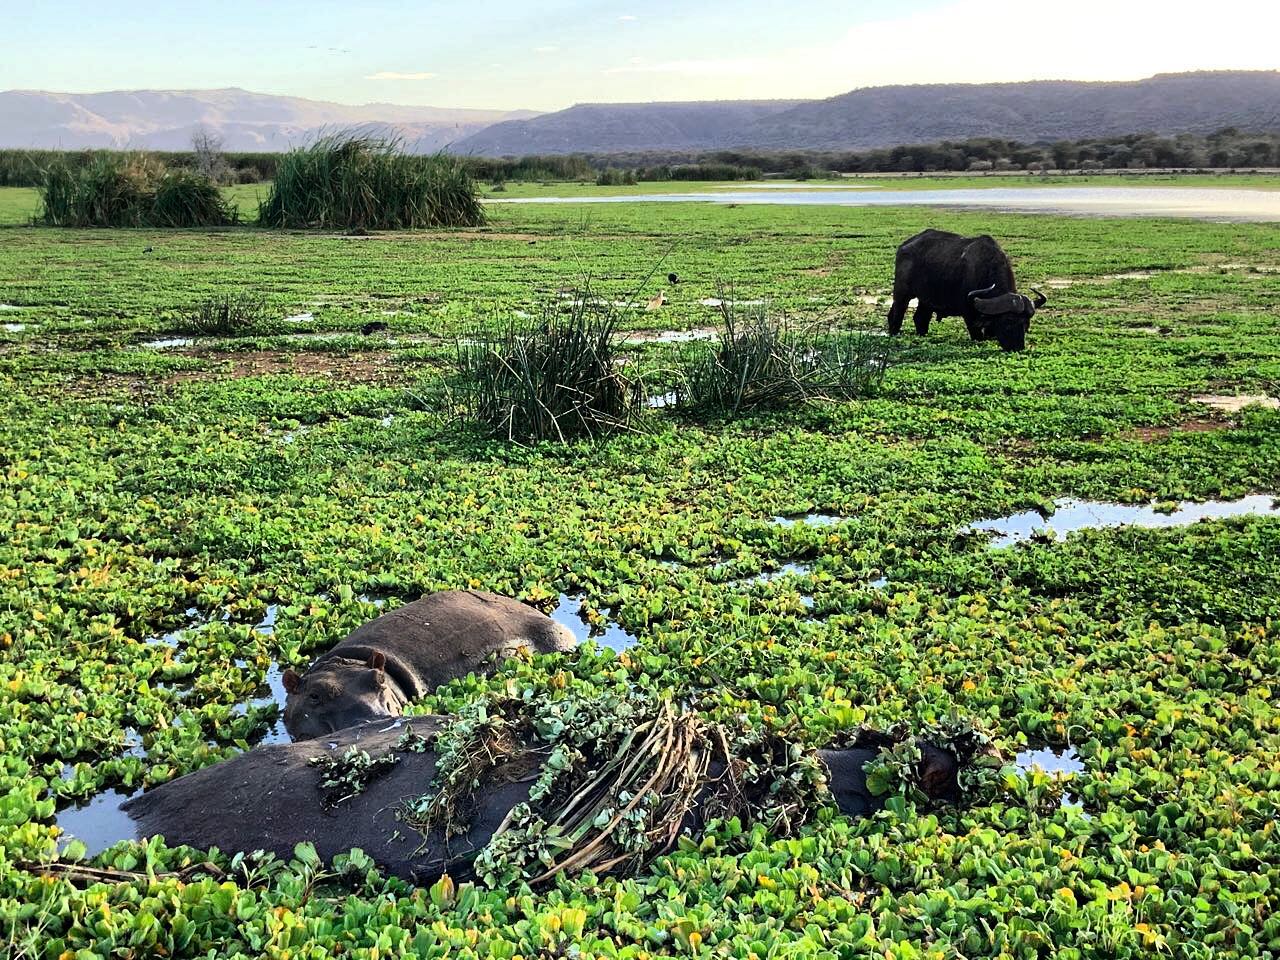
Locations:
column 270, row 799
column 450, row 634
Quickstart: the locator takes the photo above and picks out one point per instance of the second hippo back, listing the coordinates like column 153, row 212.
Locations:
column 450, row 634
column 388, row 663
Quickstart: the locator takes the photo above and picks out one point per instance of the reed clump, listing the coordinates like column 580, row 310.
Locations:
column 228, row 314
column 347, row 182
column 554, row 377
column 761, row 360
column 130, row 190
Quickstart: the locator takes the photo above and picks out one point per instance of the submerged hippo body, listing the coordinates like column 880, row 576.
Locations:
column 270, row 799
column 406, row 653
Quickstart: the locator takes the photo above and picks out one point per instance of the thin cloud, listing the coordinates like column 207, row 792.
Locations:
column 548, row 49
column 393, row 75
column 628, row 18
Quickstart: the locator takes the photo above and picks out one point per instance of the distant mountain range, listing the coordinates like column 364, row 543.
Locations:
column 888, row 116
column 862, row 119
column 166, row 119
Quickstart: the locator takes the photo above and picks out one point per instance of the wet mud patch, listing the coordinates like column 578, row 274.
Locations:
column 1234, row 404
column 372, row 366
column 1151, row 434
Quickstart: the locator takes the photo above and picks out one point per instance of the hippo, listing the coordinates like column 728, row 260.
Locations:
column 270, row 798
column 405, row 654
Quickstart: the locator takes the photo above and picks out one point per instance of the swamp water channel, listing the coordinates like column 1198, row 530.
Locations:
column 99, row 823
column 1205, row 203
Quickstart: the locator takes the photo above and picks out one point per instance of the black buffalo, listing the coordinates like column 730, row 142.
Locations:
column 969, row 277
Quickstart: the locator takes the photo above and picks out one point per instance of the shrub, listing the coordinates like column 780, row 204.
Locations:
column 554, row 378
column 228, row 314
column 209, row 160
column 345, row 182
column 761, row 361
column 130, row 190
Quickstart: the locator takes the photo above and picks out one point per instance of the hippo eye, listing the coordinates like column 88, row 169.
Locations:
column 313, row 697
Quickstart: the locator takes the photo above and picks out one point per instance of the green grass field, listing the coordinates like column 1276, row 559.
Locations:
column 143, row 489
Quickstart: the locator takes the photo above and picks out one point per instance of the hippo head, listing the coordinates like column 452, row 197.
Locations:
column 338, row 693
column 1007, row 316
column 938, row 774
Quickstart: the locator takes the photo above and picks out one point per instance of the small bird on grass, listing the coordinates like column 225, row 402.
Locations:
column 374, row 326
column 657, row 301
column 673, row 278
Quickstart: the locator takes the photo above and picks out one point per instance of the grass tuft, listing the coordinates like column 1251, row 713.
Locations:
column 763, row 361
column 553, row 378
column 347, row 182
column 228, row 314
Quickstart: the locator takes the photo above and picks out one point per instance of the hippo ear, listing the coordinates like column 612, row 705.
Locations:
column 378, row 661
column 292, row 681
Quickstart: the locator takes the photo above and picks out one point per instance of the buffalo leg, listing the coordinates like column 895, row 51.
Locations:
column 923, row 314
column 897, row 312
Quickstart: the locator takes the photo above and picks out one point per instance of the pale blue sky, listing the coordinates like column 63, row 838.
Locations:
column 550, row 53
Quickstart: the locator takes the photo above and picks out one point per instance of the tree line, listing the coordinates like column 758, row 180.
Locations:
column 1226, row 148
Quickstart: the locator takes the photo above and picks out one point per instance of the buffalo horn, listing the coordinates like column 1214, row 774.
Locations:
column 974, row 294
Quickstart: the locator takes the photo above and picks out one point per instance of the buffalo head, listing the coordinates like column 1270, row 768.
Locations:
column 1006, row 316
column 338, row 693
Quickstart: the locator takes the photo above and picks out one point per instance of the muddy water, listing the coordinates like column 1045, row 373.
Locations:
column 816, row 519
column 270, row 692
column 671, row 336
column 1073, row 515
column 1193, row 202
column 1056, row 763
column 567, row 613
column 793, row 569
column 97, row 824
column 1050, row 761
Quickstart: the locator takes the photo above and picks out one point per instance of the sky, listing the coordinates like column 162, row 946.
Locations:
column 548, row 54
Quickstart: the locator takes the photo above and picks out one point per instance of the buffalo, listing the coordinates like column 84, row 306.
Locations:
column 970, row 277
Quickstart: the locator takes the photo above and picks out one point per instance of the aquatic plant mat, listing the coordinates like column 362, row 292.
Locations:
column 618, row 778
column 621, row 775
column 139, row 484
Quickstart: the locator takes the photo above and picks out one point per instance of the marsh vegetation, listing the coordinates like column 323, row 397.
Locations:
column 180, row 525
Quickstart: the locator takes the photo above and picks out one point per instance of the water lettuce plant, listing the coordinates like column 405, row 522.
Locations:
column 155, row 503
